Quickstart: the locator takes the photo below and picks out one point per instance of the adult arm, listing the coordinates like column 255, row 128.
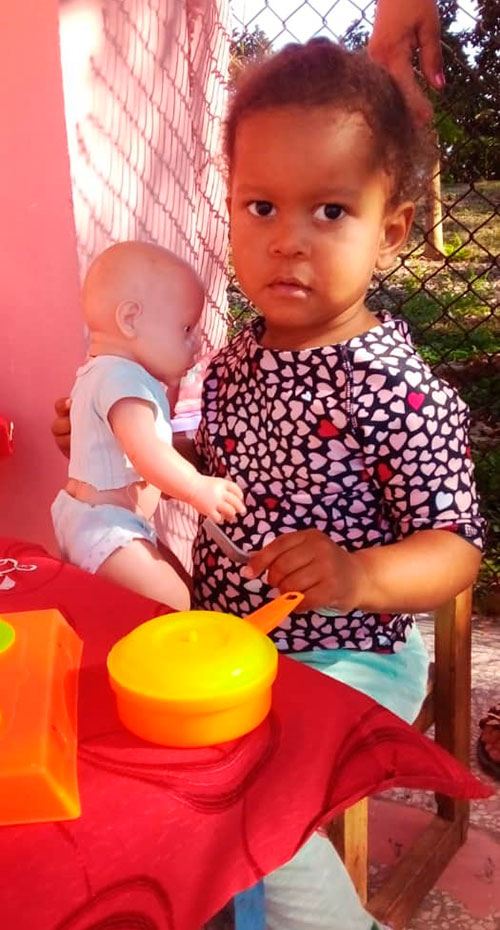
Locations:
column 401, row 28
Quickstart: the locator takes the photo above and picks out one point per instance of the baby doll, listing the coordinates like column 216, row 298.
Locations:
column 141, row 304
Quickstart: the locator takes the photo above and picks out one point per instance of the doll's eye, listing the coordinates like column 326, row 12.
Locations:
column 187, row 329
column 261, row 208
column 329, row 211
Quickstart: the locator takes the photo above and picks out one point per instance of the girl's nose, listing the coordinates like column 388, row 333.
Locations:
column 288, row 238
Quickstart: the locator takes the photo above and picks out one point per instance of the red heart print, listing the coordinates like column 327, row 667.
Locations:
column 210, row 561
column 270, row 502
column 327, row 429
column 415, row 400
column 230, row 445
column 384, row 472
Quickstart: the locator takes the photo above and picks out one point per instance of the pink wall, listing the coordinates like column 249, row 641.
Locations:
column 41, row 339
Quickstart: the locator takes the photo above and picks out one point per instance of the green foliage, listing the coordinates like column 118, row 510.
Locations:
column 467, row 111
column 246, row 47
column 453, row 249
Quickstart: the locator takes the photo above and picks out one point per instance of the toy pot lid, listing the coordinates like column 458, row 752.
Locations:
column 192, row 659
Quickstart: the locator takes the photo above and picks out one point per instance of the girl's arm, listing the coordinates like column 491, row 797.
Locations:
column 133, row 423
column 418, row 573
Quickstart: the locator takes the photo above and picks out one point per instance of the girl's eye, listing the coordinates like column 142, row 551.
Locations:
column 329, row 211
column 260, row 208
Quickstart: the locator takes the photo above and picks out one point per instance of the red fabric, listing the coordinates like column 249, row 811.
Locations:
column 167, row 836
column 6, row 444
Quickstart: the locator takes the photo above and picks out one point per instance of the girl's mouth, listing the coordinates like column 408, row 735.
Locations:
column 289, row 287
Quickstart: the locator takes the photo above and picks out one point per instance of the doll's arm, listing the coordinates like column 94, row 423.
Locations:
column 133, row 423
column 418, row 573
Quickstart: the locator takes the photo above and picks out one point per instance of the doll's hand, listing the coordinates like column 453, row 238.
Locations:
column 61, row 426
column 308, row 561
column 400, row 28
column 217, row 498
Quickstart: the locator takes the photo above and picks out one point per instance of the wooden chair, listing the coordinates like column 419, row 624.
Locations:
column 447, row 705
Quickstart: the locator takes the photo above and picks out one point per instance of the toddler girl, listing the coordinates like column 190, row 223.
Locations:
column 353, row 457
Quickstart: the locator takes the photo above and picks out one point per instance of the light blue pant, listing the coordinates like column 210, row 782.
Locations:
column 313, row 891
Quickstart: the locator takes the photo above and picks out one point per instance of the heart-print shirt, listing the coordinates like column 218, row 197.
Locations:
column 359, row 440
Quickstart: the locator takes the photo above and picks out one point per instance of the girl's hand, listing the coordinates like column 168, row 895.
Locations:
column 61, row 426
column 400, row 28
column 308, row 561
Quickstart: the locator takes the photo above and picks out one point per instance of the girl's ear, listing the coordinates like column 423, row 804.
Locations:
column 127, row 315
column 395, row 231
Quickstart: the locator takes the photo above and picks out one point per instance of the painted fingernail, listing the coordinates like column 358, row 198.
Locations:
column 439, row 80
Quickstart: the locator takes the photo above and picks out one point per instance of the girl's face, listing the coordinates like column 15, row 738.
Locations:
column 309, row 222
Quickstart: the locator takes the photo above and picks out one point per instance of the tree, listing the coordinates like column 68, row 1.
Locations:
column 246, row 47
column 467, row 110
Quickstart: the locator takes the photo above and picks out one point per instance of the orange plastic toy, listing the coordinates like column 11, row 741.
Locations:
column 197, row 678
column 39, row 662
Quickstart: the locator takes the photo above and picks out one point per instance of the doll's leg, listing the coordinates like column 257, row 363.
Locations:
column 139, row 566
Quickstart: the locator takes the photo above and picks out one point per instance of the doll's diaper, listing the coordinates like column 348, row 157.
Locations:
column 87, row 535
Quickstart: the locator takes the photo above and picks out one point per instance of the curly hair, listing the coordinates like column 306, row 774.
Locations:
column 322, row 73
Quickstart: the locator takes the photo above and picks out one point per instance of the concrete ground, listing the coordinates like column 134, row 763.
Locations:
column 467, row 895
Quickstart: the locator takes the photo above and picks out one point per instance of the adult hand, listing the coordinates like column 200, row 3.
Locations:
column 401, row 27
column 308, row 561
column 61, row 426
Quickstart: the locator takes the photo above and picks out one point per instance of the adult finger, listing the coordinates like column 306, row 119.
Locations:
column 62, row 405
column 430, row 52
column 60, row 427
column 403, row 73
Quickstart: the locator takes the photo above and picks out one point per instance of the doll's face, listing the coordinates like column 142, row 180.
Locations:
column 167, row 330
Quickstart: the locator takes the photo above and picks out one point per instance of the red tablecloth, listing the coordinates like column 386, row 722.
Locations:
column 167, row 836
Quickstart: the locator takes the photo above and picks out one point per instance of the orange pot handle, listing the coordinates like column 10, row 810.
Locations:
column 269, row 616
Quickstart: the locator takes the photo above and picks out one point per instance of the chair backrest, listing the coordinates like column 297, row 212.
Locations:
column 447, row 706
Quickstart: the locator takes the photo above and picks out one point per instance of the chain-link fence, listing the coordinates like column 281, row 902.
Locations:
column 145, row 84
column 144, row 88
column 448, row 281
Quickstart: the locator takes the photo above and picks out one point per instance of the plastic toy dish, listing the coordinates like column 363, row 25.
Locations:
column 197, row 678
column 40, row 658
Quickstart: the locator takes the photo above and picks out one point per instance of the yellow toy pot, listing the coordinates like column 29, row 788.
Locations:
column 197, row 678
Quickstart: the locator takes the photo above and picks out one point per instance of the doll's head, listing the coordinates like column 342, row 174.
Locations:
column 324, row 163
column 142, row 302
